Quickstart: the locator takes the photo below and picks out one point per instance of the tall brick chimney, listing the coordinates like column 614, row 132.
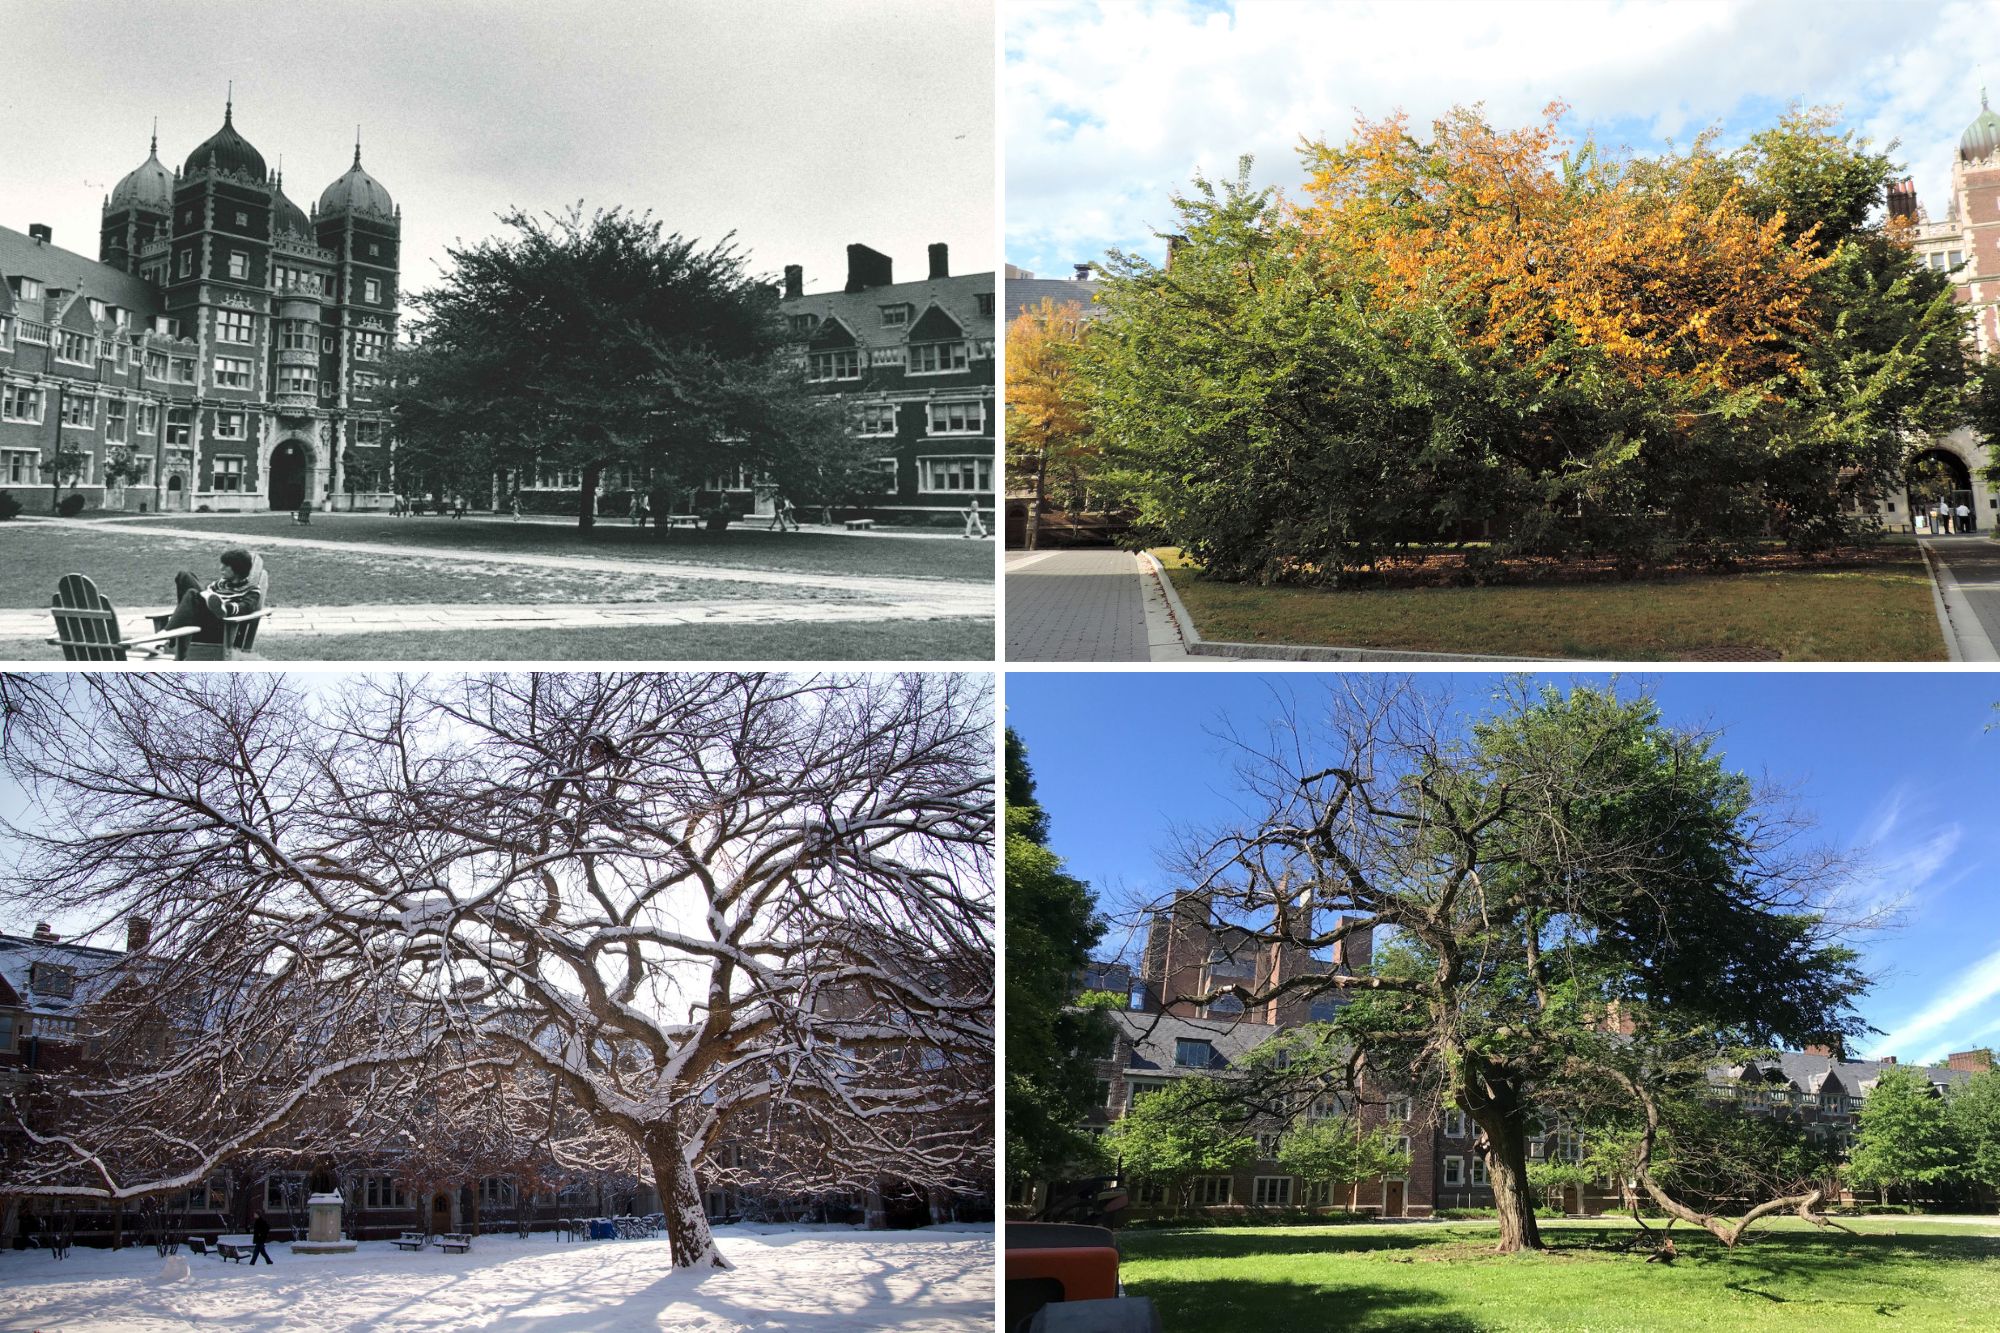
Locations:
column 867, row 268
column 40, row 231
column 795, row 281
column 1885, row 1059
column 138, row 934
column 940, row 260
column 1972, row 1062
column 43, row 935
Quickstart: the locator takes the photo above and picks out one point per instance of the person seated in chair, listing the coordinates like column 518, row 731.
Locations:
column 239, row 592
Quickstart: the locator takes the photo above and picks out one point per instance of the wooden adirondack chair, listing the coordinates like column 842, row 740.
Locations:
column 239, row 636
column 87, row 627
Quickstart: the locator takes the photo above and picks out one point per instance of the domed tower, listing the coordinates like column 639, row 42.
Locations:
column 1975, row 188
column 217, row 285
column 137, row 210
column 361, row 226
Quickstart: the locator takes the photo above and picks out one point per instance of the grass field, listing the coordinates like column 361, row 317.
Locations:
column 136, row 571
column 1444, row 1277
column 1878, row 614
column 743, row 547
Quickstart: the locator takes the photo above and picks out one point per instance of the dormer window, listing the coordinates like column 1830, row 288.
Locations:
column 804, row 323
column 28, row 289
column 52, row 979
column 895, row 316
column 1191, row 1053
column 986, row 304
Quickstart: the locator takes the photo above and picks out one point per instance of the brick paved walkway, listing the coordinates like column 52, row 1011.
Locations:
column 1075, row 606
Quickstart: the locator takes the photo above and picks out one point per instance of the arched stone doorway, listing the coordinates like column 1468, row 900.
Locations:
column 1939, row 484
column 291, row 465
column 442, row 1214
column 176, row 492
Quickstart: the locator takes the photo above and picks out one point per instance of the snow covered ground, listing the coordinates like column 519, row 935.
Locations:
column 802, row 1279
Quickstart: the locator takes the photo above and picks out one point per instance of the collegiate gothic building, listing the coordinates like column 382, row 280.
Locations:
column 223, row 350
column 1965, row 244
column 914, row 361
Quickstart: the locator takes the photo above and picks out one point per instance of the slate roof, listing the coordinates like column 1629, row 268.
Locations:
column 22, row 255
column 861, row 311
column 1025, row 294
column 19, row 954
column 1808, row 1072
column 1152, row 1038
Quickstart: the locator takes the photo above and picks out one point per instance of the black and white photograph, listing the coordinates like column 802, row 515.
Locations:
column 498, row 332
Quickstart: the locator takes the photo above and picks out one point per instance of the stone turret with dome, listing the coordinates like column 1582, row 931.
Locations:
column 149, row 185
column 286, row 216
column 1982, row 137
column 356, row 192
column 226, row 152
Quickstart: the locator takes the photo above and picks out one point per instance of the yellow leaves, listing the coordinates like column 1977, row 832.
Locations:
column 1661, row 271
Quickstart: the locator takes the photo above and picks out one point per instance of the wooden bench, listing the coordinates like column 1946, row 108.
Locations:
column 455, row 1241
column 681, row 521
column 411, row 1240
column 860, row 524
column 196, row 1245
column 233, row 1253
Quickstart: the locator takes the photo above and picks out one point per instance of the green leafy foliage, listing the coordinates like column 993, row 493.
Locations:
column 1905, row 1137
column 1188, row 1128
column 1973, row 1110
column 1052, row 924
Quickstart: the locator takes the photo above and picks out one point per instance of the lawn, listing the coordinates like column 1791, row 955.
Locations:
column 136, row 571
column 1879, row 613
column 742, row 547
column 840, row 641
column 1445, row 1277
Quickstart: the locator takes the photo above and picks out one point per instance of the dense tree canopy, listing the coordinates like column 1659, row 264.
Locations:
column 1905, row 1138
column 1492, row 333
column 1052, row 924
column 1561, row 890
column 594, row 343
column 1048, row 436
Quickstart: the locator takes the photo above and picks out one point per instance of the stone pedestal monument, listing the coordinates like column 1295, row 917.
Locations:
column 323, row 1230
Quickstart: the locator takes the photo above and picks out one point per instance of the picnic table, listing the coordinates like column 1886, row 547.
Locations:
column 681, row 521
column 455, row 1241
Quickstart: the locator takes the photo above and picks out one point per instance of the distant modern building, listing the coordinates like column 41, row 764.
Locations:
column 221, row 352
column 914, row 362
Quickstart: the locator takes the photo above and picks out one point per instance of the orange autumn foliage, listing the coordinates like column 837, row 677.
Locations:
column 1561, row 259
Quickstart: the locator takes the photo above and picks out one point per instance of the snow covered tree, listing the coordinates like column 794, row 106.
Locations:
column 679, row 905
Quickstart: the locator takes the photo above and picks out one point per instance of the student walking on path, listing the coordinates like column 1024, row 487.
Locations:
column 260, row 1232
column 975, row 525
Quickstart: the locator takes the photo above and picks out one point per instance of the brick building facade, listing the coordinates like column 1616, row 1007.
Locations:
column 221, row 352
column 914, row 360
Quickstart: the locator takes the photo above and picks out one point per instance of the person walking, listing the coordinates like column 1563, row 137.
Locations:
column 1964, row 517
column 514, row 506
column 638, row 510
column 975, row 526
column 260, row 1232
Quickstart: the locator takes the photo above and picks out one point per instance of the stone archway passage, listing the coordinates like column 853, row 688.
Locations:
column 1937, row 477
column 290, row 466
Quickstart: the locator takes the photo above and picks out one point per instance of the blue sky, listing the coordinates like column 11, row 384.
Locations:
column 1897, row 766
column 1110, row 105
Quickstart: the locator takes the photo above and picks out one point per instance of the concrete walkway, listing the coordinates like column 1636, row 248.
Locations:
column 1968, row 578
column 1086, row 606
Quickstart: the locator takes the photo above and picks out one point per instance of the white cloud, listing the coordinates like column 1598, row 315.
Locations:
column 1109, row 108
column 1964, row 994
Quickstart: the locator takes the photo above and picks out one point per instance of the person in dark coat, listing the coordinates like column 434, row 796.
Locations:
column 260, row 1231
column 240, row 591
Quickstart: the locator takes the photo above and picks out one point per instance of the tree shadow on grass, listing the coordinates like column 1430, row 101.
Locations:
column 1298, row 1307
column 1223, row 1244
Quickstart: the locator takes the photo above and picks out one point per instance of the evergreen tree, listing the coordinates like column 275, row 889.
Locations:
column 1052, row 924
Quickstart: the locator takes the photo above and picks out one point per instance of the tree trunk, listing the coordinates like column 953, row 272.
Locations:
column 1507, row 1171
column 689, row 1240
column 586, row 501
column 1035, row 505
